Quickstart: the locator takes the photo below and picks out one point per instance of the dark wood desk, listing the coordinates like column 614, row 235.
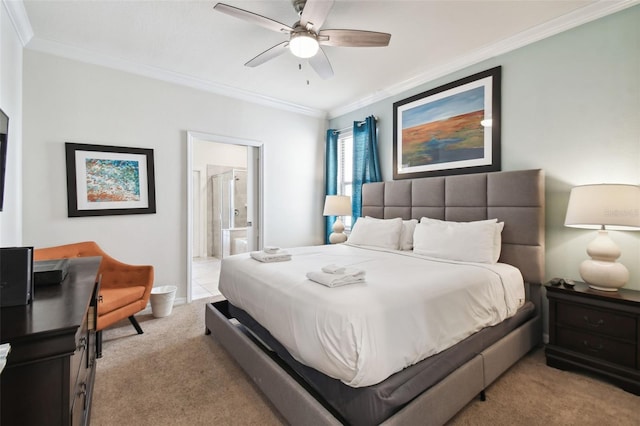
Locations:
column 50, row 371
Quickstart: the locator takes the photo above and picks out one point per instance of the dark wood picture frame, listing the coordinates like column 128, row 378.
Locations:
column 452, row 129
column 109, row 180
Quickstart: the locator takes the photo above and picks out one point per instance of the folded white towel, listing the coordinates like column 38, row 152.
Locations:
column 261, row 256
column 335, row 280
column 344, row 270
column 333, row 269
column 271, row 250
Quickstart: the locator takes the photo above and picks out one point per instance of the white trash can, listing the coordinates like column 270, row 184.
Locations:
column 162, row 300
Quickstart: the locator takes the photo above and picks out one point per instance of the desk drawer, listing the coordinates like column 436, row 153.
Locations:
column 79, row 405
column 78, row 367
column 599, row 321
column 80, row 383
column 597, row 346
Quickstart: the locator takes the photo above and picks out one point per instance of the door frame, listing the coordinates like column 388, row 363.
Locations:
column 199, row 240
column 192, row 136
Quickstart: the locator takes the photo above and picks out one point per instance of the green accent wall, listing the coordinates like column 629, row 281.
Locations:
column 571, row 106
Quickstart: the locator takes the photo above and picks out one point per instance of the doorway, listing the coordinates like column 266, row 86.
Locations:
column 224, row 206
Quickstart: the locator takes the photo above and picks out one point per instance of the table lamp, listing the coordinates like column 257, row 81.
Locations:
column 337, row 205
column 604, row 206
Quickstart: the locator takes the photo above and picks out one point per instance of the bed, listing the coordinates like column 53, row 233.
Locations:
column 428, row 388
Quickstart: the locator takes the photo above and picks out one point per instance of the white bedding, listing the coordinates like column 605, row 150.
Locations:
column 409, row 308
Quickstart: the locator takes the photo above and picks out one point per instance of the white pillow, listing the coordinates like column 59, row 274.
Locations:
column 406, row 234
column 478, row 241
column 497, row 242
column 384, row 233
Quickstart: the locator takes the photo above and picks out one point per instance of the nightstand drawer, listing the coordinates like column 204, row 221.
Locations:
column 600, row 321
column 597, row 346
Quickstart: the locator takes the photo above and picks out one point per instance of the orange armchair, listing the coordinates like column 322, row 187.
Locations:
column 124, row 289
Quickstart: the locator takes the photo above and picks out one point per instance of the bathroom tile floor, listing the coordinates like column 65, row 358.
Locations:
column 205, row 273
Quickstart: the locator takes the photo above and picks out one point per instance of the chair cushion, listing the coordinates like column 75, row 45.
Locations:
column 114, row 298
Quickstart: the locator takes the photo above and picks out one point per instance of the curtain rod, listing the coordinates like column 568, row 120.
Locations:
column 358, row 123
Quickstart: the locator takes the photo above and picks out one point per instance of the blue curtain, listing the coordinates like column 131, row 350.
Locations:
column 366, row 165
column 331, row 175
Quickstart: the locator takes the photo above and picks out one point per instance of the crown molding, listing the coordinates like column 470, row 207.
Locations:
column 563, row 23
column 87, row 56
column 20, row 20
column 18, row 17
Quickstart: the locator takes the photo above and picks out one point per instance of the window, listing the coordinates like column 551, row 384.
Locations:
column 345, row 169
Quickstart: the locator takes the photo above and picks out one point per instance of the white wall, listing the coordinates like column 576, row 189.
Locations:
column 571, row 106
column 69, row 101
column 216, row 153
column 11, row 104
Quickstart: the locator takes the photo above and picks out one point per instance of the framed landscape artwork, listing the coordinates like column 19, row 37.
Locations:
column 452, row 129
column 109, row 180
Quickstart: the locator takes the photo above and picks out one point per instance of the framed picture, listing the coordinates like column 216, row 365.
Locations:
column 452, row 129
column 109, row 180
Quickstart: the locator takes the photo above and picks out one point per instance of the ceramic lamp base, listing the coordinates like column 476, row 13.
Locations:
column 602, row 272
column 604, row 275
column 337, row 236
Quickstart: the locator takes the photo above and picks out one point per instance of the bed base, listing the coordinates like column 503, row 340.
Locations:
column 298, row 404
column 515, row 197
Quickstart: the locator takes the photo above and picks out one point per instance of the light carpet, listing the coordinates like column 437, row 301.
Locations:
column 175, row 375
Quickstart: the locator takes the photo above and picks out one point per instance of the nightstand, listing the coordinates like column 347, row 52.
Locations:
column 596, row 331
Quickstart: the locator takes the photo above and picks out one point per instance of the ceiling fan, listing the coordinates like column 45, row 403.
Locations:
column 305, row 36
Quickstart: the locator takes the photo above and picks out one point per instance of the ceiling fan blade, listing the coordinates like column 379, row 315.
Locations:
column 320, row 63
column 254, row 18
column 353, row 38
column 269, row 54
column 315, row 12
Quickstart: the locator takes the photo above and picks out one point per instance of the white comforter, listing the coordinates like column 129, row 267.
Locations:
column 409, row 308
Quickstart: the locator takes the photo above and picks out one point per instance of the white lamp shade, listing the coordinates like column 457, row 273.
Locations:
column 337, row 205
column 616, row 206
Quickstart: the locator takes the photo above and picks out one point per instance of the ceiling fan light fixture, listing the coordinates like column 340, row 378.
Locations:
column 303, row 45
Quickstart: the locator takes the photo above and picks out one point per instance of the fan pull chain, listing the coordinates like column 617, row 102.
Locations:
column 300, row 68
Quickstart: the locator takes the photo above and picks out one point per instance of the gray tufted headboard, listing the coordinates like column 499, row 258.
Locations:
column 515, row 197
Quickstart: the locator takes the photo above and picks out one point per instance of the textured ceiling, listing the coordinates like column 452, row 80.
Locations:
column 189, row 41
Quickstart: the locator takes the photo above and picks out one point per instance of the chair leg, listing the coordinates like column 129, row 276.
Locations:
column 99, row 344
column 135, row 324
